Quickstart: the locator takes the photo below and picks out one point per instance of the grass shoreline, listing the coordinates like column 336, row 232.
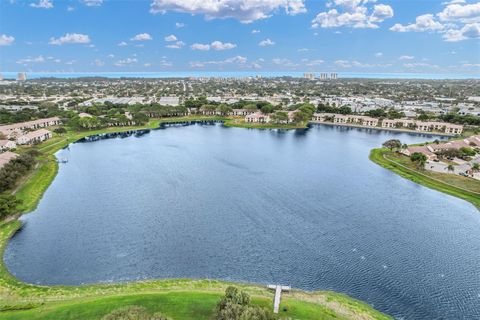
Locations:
column 380, row 157
column 20, row 300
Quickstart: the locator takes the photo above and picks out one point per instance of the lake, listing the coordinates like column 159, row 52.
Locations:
column 304, row 208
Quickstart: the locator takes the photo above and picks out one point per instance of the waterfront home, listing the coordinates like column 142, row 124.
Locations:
column 5, row 157
column 35, row 137
column 398, row 123
column 241, row 112
column 7, row 145
column 322, row 116
column 426, row 150
column 364, row 121
column 31, row 125
column 453, row 128
column 340, row 118
column 257, row 117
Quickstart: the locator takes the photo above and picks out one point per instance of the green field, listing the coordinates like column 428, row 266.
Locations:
column 176, row 298
column 461, row 187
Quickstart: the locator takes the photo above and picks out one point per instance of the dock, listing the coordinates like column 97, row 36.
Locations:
column 278, row 293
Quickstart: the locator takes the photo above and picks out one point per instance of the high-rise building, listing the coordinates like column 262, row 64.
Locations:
column 309, row 76
column 22, row 76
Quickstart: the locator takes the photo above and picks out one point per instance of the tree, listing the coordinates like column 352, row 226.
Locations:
column 392, row 144
column 280, row 117
column 476, row 166
column 60, row 130
column 451, row 168
column 267, row 108
column 419, row 158
column 9, row 205
column 224, row 109
column 345, row 110
column 235, row 305
column 133, row 313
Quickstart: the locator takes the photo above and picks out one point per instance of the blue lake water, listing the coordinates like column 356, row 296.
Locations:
column 304, row 208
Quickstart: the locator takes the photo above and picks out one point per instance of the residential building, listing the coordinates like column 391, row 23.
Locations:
column 7, row 145
column 35, row 137
column 31, row 125
column 257, row 117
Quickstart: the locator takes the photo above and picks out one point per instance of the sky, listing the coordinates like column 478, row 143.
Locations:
column 370, row 36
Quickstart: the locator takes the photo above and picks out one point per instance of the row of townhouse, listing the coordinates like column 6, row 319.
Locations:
column 431, row 149
column 29, row 132
column 346, row 119
column 259, row 117
column 389, row 123
column 234, row 112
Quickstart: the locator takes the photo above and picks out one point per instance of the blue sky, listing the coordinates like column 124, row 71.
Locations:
column 430, row 36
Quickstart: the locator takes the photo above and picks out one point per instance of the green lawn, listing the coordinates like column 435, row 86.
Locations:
column 458, row 186
column 177, row 305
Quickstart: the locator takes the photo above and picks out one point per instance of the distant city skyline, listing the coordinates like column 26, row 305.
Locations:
column 362, row 36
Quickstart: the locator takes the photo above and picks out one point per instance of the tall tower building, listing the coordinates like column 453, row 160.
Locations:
column 22, row 76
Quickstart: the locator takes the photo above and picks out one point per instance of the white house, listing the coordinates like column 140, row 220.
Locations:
column 7, row 145
column 35, row 136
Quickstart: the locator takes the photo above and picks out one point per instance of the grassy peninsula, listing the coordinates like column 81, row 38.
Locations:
column 457, row 186
column 175, row 298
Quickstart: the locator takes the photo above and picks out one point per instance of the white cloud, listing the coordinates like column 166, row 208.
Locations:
column 255, row 31
column 179, row 25
column 6, row 40
column 406, row 58
column 93, row 3
column 122, row 44
column 239, row 60
column 142, row 37
column 357, row 64
column 170, row 38
column 465, row 13
column 176, row 45
column 379, row 54
column 126, row 62
column 70, row 38
column 218, row 45
column 266, row 42
column 420, row 64
column 42, row 4
column 422, row 23
column 303, row 50
column 468, row 31
column 284, row 62
column 456, row 22
column 31, row 60
column 70, row 8
column 313, row 63
column 381, row 12
column 200, row 46
column 246, row 11
column 111, row 56
column 352, row 13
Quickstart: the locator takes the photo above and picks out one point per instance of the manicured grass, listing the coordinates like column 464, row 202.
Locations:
column 461, row 187
column 240, row 123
